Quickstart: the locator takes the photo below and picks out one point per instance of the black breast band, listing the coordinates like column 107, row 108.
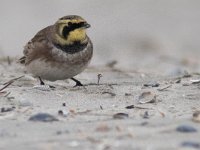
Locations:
column 72, row 48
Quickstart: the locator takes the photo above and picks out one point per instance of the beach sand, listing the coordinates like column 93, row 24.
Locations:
column 84, row 116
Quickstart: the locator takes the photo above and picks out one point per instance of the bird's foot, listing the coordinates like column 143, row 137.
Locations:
column 78, row 83
column 44, row 87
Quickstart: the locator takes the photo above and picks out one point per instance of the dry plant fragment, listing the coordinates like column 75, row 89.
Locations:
column 9, row 83
column 5, row 86
column 12, row 80
column 110, row 93
column 164, row 88
column 99, row 77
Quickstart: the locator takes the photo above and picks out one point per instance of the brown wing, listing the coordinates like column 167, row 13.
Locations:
column 37, row 47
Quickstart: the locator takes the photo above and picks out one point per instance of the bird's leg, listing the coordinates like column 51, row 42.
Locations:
column 43, row 86
column 78, row 83
column 41, row 82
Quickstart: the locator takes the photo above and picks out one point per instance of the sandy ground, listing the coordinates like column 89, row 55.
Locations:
column 87, row 121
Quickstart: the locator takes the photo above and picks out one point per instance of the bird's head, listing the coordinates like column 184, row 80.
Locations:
column 70, row 29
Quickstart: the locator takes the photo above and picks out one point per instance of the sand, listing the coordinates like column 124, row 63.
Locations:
column 87, row 121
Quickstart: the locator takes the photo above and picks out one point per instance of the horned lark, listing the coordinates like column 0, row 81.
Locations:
column 60, row 51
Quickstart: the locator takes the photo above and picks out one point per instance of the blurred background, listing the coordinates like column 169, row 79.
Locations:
column 148, row 35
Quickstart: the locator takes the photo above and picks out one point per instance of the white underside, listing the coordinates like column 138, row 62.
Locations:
column 59, row 71
column 46, row 71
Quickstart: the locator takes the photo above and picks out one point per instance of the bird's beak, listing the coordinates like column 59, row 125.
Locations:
column 86, row 25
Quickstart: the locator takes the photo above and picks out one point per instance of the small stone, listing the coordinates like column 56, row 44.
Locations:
column 43, row 117
column 152, row 84
column 60, row 112
column 64, row 104
column 130, row 107
column 186, row 129
column 178, row 81
column 147, row 97
column 120, row 116
column 144, row 123
column 3, row 109
column 127, row 94
column 74, row 144
column 63, row 113
column 146, row 115
column 190, row 144
column 101, row 107
column 59, row 132
column 196, row 116
column 25, row 103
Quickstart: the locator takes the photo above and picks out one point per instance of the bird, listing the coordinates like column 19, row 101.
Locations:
column 59, row 51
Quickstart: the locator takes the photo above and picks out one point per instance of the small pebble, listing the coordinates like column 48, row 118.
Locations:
column 147, row 97
column 130, row 107
column 196, row 116
column 186, row 129
column 3, row 109
column 101, row 107
column 63, row 113
column 190, row 144
column 60, row 112
column 74, row 144
column 151, row 84
column 59, row 132
column 25, row 103
column 120, row 116
column 63, row 104
column 144, row 123
column 43, row 117
column 146, row 115
column 178, row 81
column 127, row 94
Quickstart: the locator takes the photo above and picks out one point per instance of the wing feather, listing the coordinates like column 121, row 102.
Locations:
column 38, row 46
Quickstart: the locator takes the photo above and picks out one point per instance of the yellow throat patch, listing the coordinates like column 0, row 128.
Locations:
column 76, row 35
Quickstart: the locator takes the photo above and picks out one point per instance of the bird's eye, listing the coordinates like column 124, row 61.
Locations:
column 69, row 23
